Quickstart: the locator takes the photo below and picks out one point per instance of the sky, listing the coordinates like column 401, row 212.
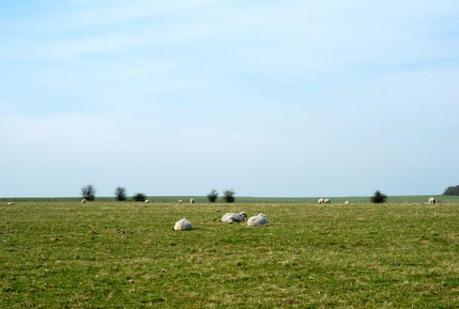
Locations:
column 268, row 98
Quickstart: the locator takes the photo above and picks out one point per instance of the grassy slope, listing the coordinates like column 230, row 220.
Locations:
column 105, row 254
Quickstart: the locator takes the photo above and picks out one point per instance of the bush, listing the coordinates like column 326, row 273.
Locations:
column 378, row 198
column 212, row 196
column 139, row 197
column 88, row 192
column 452, row 191
column 120, row 194
column 228, row 196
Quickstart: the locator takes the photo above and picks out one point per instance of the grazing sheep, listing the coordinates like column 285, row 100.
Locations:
column 182, row 225
column 327, row 201
column 192, row 201
column 231, row 217
column 83, row 201
column 146, row 201
column 180, row 201
column 346, row 203
column 320, row 201
column 260, row 219
column 432, row 200
column 11, row 204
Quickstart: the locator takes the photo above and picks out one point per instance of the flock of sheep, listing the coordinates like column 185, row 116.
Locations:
column 230, row 217
column 258, row 220
column 430, row 201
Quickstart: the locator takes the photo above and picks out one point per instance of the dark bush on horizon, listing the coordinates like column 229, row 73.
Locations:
column 228, row 196
column 378, row 198
column 88, row 193
column 453, row 190
column 120, row 194
column 139, row 197
column 212, row 196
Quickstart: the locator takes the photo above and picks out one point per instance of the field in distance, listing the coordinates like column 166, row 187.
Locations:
column 125, row 254
column 248, row 199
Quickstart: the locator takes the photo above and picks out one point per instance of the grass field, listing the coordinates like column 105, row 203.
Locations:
column 109, row 254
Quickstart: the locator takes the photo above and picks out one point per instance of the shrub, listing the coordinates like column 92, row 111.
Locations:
column 454, row 190
column 120, row 194
column 88, row 192
column 228, row 196
column 139, row 197
column 212, row 196
column 378, row 198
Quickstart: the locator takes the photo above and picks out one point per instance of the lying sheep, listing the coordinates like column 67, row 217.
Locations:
column 231, row 217
column 192, row 201
column 146, row 201
column 260, row 219
column 11, row 203
column 182, row 225
column 346, row 203
column 180, row 201
column 432, row 200
column 83, row 201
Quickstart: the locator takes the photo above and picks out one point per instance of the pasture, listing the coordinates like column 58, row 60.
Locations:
column 124, row 254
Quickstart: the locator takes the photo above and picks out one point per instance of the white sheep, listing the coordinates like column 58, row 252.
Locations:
column 432, row 200
column 320, row 201
column 182, row 225
column 146, row 201
column 346, row 203
column 192, row 201
column 180, row 201
column 327, row 201
column 83, row 201
column 11, row 203
column 260, row 219
column 231, row 217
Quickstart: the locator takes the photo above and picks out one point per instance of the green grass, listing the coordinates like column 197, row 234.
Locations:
column 108, row 254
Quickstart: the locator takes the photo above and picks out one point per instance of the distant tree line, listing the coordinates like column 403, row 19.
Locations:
column 453, row 190
column 88, row 193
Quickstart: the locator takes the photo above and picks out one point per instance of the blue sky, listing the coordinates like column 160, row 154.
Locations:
column 269, row 98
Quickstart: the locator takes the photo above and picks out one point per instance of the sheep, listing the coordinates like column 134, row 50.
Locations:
column 346, row 203
column 320, row 201
column 327, row 201
column 192, row 201
column 432, row 200
column 11, row 204
column 83, row 201
column 180, row 201
column 182, row 225
column 231, row 217
column 260, row 219
column 146, row 201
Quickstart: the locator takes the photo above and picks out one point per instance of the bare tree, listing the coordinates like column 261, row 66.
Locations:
column 378, row 198
column 88, row 192
column 212, row 196
column 120, row 194
column 139, row 197
column 228, row 196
